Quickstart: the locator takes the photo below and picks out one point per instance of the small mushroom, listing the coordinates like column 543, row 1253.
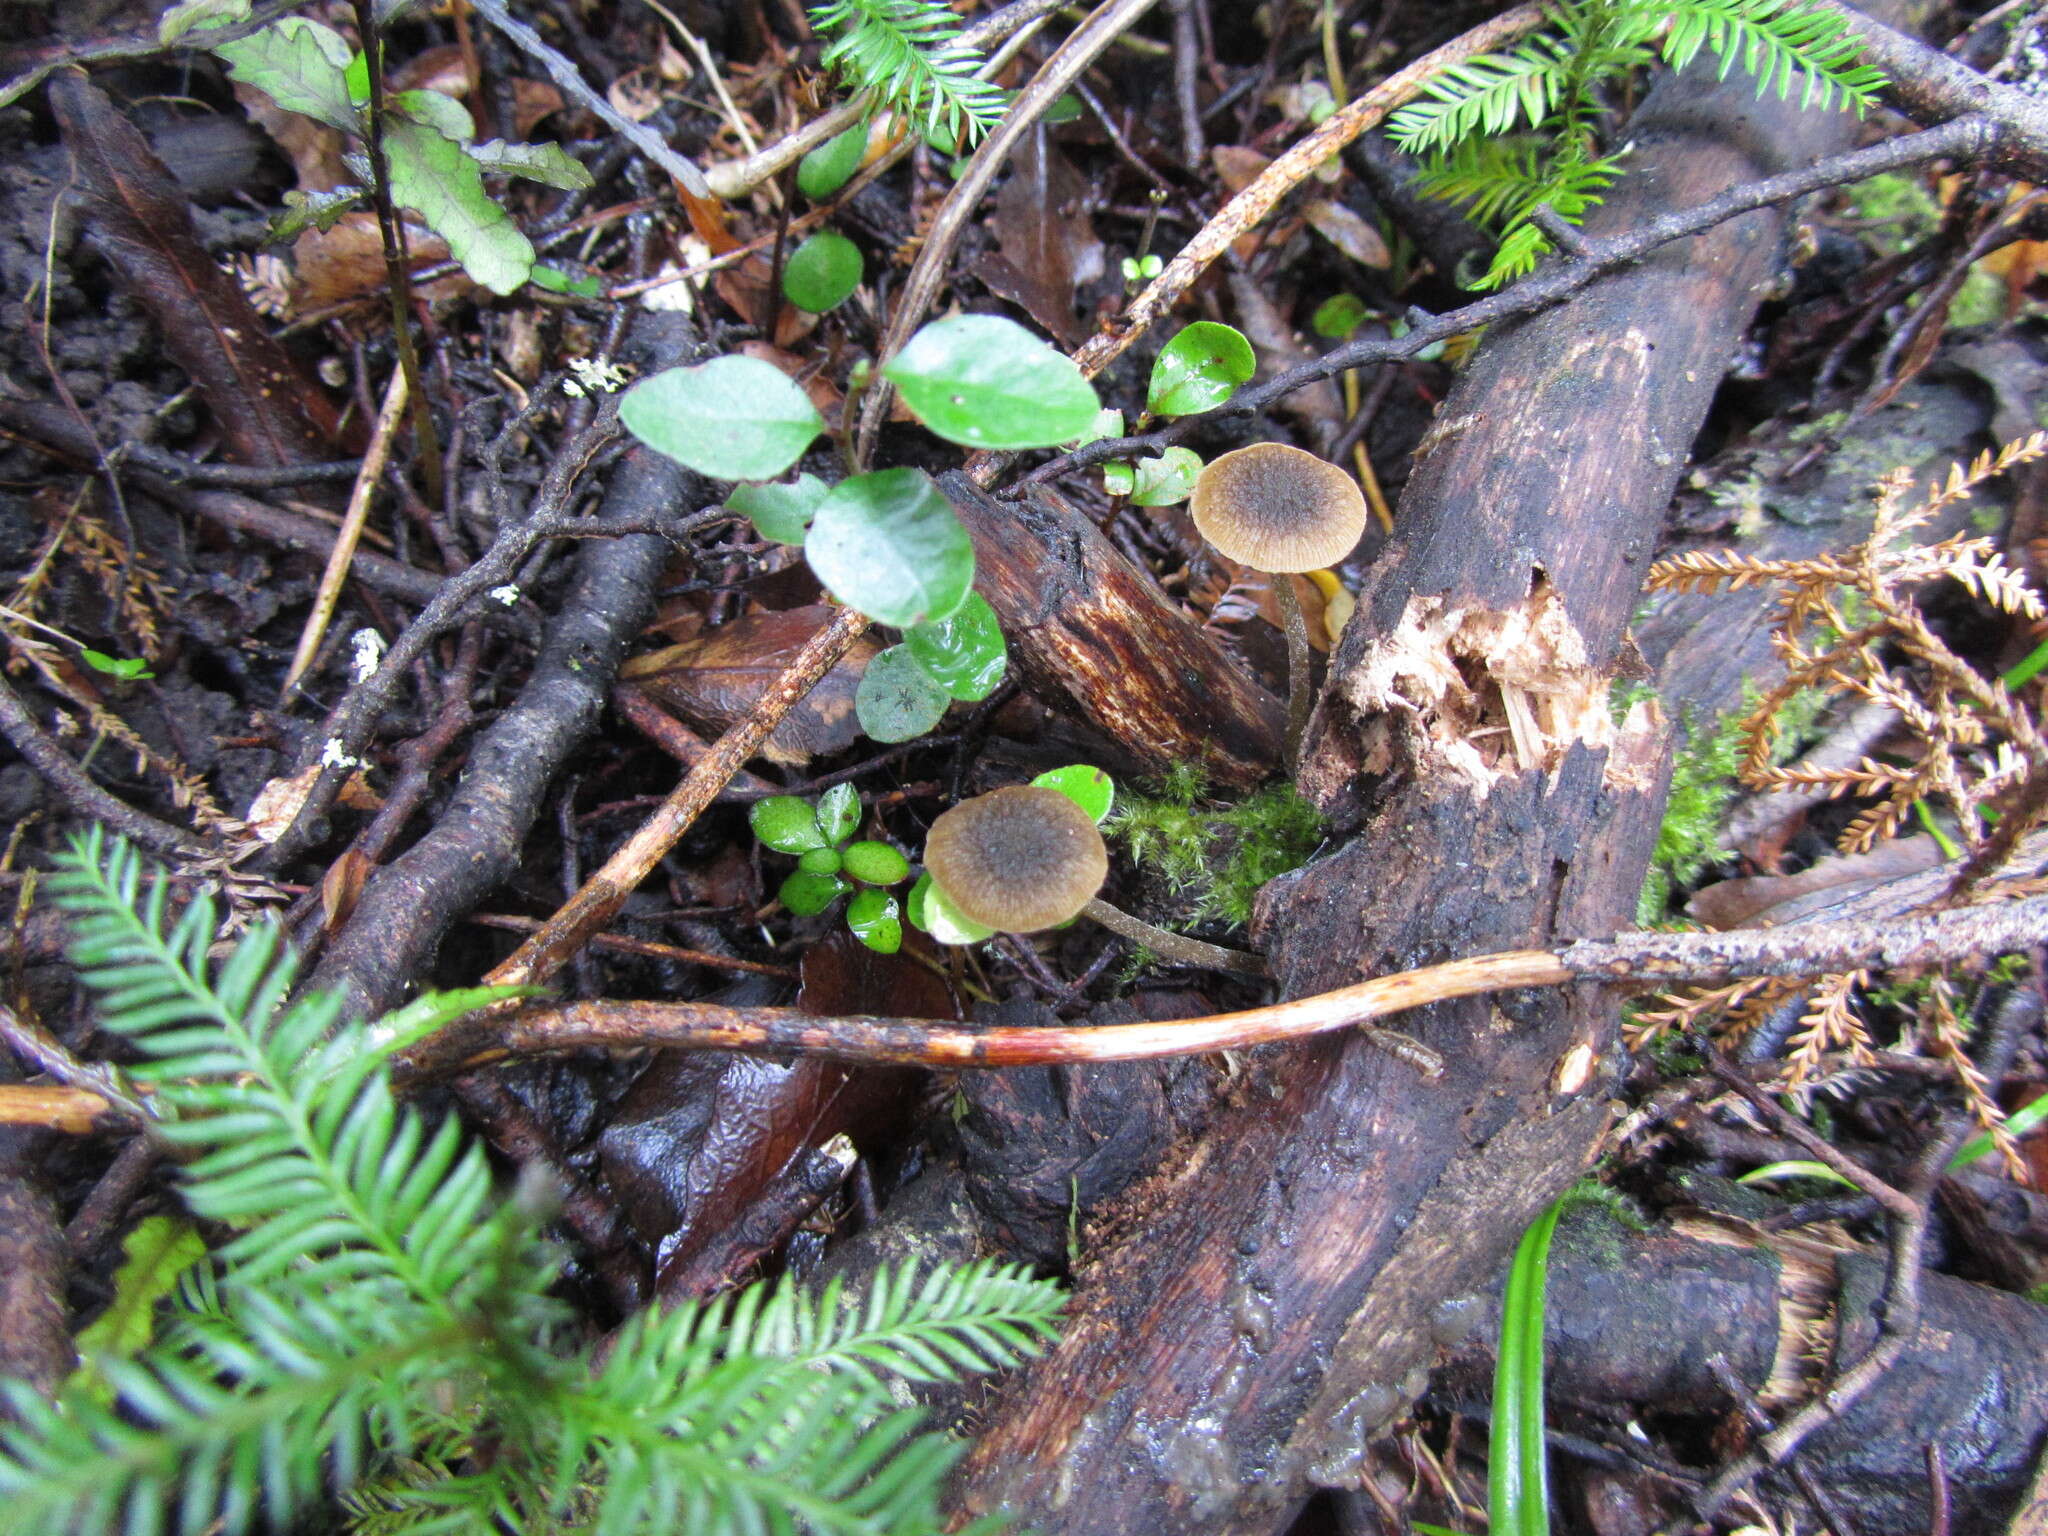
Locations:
column 1281, row 510
column 1024, row 858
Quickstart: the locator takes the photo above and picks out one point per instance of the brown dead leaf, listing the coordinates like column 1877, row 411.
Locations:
column 1350, row 233
column 717, row 678
column 1763, row 901
column 1237, row 167
column 342, row 886
column 1046, row 246
column 346, row 262
column 313, row 148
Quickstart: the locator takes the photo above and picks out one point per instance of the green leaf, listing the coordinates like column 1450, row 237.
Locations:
column 1338, row 316
column 838, row 813
column 872, row 916
column 946, row 922
column 433, row 1010
column 822, row 272
column 1119, row 478
column 434, row 174
column 199, row 16
column 2018, row 1123
column 441, row 112
column 986, row 382
column 913, row 904
column 832, row 164
column 549, row 164
column 300, row 65
column 786, row 824
column 358, row 76
column 897, row 699
column 153, row 1256
column 1165, row 481
column 1517, row 1468
column 1794, row 1169
column 873, row 863
column 310, row 210
column 127, row 668
column 1089, row 788
column 734, row 418
column 964, row 652
column 779, row 512
column 1108, row 423
column 1200, row 368
column 819, row 861
column 889, row 545
column 555, row 280
column 807, row 894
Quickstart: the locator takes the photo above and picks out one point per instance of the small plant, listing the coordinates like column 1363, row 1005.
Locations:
column 908, row 56
column 436, row 167
column 886, row 543
column 381, row 1324
column 1550, row 88
column 828, row 866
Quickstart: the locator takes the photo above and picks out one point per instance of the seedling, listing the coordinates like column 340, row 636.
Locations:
column 1280, row 510
column 1030, row 857
column 828, row 866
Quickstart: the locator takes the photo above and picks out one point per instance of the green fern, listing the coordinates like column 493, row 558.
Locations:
column 1551, row 85
column 380, row 1317
column 908, row 53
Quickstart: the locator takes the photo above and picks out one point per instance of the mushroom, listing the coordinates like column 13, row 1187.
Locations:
column 1281, row 510
column 1024, row 858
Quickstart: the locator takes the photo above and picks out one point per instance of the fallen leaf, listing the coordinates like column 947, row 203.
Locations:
column 1350, row 233
column 1763, row 901
column 1046, row 246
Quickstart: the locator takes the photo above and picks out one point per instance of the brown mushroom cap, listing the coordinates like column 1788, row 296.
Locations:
column 1017, row 860
column 1276, row 508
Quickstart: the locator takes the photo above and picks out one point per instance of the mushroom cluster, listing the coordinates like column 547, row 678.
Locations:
column 1281, row 510
column 1024, row 858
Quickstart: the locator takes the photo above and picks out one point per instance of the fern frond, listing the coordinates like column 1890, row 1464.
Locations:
column 1492, row 94
column 1779, row 42
column 909, row 54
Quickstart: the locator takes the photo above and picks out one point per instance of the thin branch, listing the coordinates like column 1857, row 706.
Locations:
column 1634, row 959
column 1964, row 137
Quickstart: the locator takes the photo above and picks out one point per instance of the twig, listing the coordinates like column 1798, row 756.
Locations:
column 928, row 273
column 1894, row 1201
column 36, row 1047
column 80, row 793
column 565, row 75
column 550, row 946
column 1647, row 958
column 626, row 945
column 1251, row 206
column 1550, row 285
column 343, row 553
column 73, row 1111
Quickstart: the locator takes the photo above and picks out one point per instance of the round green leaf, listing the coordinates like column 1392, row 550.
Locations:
column 874, row 863
column 1167, row 480
column 734, row 418
column 786, row 824
column 897, row 699
column 872, row 917
column 1199, row 368
column 889, row 545
column 1089, row 788
column 913, row 904
column 839, row 812
column 779, row 512
column 807, row 895
column 987, row 382
column 963, row 653
column 819, row 861
column 1338, row 316
column 831, row 165
column 821, row 272
column 1119, row 478
column 946, row 922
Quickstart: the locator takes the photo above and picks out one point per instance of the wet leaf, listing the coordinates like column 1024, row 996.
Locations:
column 898, row 699
column 839, row 812
column 889, row 545
column 1089, row 788
column 986, row 382
column 1046, row 248
column 1199, row 369
column 963, row 653
column 873, row 917
column 1166, row 481
column 734, row 418
column 787, row 824
column 873, row 863
column 807, row 894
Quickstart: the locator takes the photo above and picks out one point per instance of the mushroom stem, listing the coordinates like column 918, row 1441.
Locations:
column 1299, row 699
column 1176, row 948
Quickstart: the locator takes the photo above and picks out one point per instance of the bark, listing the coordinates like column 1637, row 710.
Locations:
column 1268, row 1303
column 1086, row 626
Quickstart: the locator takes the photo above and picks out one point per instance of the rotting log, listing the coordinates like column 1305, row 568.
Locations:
column 1091, row 630
column 1266, row 1303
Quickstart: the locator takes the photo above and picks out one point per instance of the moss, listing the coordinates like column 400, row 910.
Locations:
column 1703, row 784
column 1898, row 208
column 1218, row 857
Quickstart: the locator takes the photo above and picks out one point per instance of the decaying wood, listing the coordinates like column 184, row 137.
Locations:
column 1266, row 1305
column 1088, row 627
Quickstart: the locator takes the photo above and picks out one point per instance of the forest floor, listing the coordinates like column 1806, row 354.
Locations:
column 504, row 705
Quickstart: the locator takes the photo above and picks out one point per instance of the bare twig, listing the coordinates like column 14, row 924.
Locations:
column 1645, row 958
